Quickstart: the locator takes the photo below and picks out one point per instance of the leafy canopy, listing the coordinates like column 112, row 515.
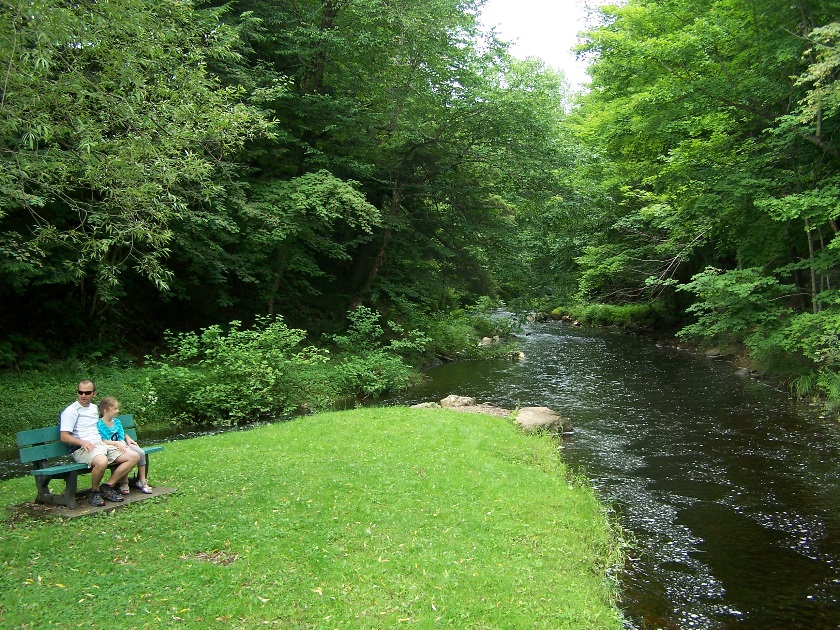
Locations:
column 111, row 128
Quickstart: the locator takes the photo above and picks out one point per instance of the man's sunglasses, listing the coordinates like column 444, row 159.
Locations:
column 83, row 393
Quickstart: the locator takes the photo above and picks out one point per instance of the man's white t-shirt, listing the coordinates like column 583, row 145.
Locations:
column 81, row 421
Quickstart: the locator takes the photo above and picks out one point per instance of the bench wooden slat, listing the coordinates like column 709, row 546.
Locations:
column 57, row 470
column 37, row 436
column 44, row 451
column 130, row 428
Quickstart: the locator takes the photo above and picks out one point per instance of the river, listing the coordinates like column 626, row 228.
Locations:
column 729, row 489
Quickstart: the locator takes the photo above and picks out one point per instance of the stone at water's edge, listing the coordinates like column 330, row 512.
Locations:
column 532, row 418
column 528, row 418
column 457, row 401
column 465, row 405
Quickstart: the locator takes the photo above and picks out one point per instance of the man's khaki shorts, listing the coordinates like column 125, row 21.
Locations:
column 81, row 456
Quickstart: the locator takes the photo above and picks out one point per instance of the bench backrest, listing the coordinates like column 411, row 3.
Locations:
column 127, row 421
column 38, row 444
column 41, row 444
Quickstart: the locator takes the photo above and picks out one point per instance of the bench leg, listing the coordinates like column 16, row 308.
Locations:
column 66, row 498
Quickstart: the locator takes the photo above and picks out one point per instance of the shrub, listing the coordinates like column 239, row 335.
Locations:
column 734, row 305
column 452, row 335
column 38, row 400
column 232, row 377
column 828, row 383
column 640, row 315
column 486, row 323
column 808, row 347
column 372, row 374
column 366, row 365
column 235, row 376
column 457, row 335
column 20, row 353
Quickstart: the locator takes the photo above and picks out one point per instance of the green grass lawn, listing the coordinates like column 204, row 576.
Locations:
column 372, row 518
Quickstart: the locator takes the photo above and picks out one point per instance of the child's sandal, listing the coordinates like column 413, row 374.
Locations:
column 143, row 487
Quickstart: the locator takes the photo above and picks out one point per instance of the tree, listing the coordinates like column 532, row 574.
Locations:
column 714, row 130
column 685, row 97
column 446, row 135
column 111, row 130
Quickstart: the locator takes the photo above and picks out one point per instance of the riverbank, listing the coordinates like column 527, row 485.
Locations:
column 372, row 517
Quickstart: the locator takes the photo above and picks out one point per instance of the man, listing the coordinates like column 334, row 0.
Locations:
column 78, row 429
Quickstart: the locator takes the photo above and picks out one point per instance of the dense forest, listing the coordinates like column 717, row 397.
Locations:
column 167, row 165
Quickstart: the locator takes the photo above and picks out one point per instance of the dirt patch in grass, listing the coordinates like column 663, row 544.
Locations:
column 214, row 557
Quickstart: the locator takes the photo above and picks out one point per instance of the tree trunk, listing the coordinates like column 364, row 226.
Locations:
column 810, row 233
column 396, row 201
column 279, row 270
column 313, row 81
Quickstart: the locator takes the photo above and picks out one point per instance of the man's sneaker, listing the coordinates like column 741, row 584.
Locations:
column 96, row 499
column 109, row 493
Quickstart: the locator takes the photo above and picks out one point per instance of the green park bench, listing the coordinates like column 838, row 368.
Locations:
column 43, row 449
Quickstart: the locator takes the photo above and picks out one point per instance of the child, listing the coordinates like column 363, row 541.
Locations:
column 111, row 430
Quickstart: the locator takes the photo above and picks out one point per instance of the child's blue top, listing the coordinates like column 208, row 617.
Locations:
column 111, row 433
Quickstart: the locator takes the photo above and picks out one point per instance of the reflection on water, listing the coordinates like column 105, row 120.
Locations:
column 731, row 489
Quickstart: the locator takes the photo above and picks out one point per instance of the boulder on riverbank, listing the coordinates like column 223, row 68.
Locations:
column 465, row 404
column 457, row 401
column 542, row 418
column 528, row 418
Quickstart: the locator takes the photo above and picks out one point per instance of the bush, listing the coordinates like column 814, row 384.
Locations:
column 38, row 400
column 373, row 374
column 806, row 347
column 487, row 324
column 733, row 305
column 452, row 336
column 236, row 376
column 366, row 365
column 828, row 383
column 231, row 377
column 20, row 353
column 457, row 335
column 643, row 315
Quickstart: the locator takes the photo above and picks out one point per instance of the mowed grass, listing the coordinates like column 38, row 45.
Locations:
column 372, row 518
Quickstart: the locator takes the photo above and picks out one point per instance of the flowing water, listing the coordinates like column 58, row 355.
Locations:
column 729, row 488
